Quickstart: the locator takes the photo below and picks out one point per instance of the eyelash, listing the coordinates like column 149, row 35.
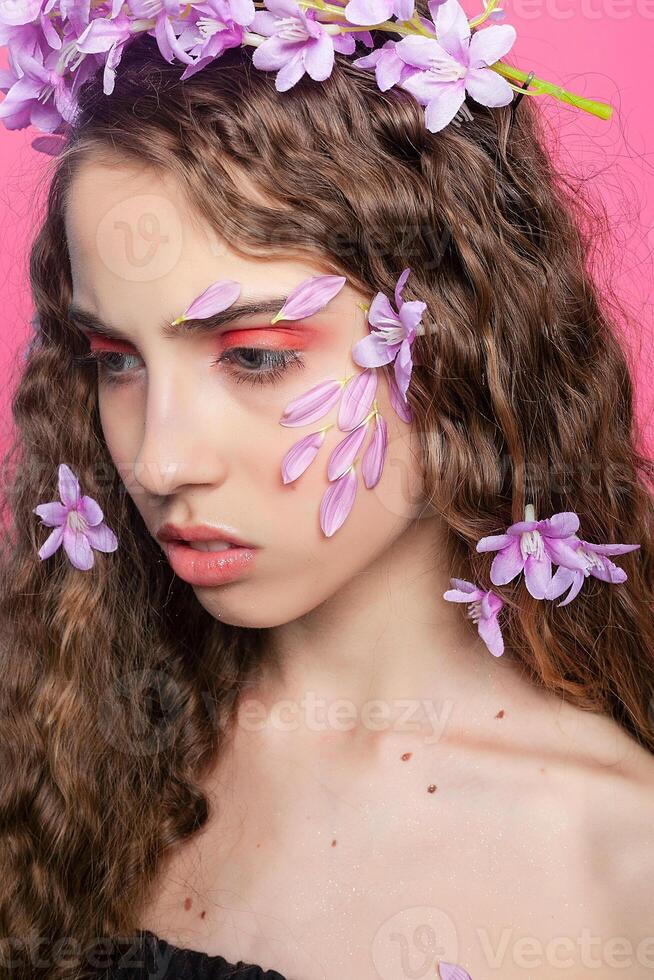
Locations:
column 279, row 361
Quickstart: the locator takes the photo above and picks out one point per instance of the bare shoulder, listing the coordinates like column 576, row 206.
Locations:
column 609, row 778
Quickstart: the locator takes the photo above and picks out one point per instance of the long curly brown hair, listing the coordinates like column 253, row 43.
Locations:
column 118, row 688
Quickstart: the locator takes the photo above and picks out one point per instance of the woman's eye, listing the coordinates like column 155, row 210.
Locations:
column 112, row 365
column 254, row 365
column 260, row 365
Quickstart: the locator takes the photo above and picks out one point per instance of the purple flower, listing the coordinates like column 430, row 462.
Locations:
column 310, row 296
column 484, row 609
column 296, row 42
column 218, row 25
column 392, row 336
column 598, row 564
column 214, row 299
column 107, row 35
column 371, row 12
column 390, row 70
column 78, row 523
column 39, row 94
column 167, row 19
column 532, row 546
column 454, row 64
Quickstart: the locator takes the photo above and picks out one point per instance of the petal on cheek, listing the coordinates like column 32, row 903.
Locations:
column 301, row 455
column 337, row 502
column 372, row 464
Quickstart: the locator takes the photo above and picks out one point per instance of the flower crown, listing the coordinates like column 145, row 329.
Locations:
column 56, row 45
column 528, row 547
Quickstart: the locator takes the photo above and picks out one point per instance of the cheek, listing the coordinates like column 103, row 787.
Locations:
column 120, row 429
column 378, row 515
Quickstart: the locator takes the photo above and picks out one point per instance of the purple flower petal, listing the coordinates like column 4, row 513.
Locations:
column 358, row 396
column 442, row 109
column 215, row 298
column 373, row 351
column 451, row 20
column 462, row 585
column 52, row 542
column 301, row 455
column 561, row 525
column 490, row 44
column 343, row 455
column 101, row 537
column 399, row 286
column 69, row 490
column 487, row 87
column 564, row 578
column 563, row 552
column 319, row 62
column 18, row 12
column 78, row 549
column 450, row 971
column 368, row 12
column 90, row 511
column 313, row 404
column 52, row 514
column 507, row 563
column 372, row 464
column 461, row 595
column 490, row 632
column 337, row 502
column 490, row 604
column 403, row 367
column 538, row 574
column 402, row 409
column 309, row 297
column 287, row 76
column 609, row 549
column 494, row 542
column 608, row 571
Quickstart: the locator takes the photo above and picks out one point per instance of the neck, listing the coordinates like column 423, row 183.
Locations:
column 386, row 650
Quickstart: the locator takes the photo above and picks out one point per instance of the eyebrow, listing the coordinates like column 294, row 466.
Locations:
column 237, row 311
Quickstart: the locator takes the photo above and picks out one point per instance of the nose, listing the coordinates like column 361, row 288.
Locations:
column 179, row 447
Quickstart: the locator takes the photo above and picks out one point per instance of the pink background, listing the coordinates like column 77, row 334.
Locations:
column 597, row 48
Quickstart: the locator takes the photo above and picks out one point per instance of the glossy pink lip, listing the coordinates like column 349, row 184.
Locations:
column 199, row 532
column 208, row 568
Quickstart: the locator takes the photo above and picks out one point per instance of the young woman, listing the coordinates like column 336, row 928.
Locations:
column 302, row 754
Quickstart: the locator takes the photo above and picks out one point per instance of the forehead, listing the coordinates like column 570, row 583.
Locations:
column 135, row 243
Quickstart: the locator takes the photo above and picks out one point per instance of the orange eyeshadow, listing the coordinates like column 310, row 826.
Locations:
column 101, row 343
column 277, row 338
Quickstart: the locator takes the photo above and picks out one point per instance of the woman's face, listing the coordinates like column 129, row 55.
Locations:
column 192, row 421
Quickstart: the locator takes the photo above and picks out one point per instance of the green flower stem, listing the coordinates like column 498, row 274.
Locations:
column 476, row 21
column 595, row 108
column 414, row 26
